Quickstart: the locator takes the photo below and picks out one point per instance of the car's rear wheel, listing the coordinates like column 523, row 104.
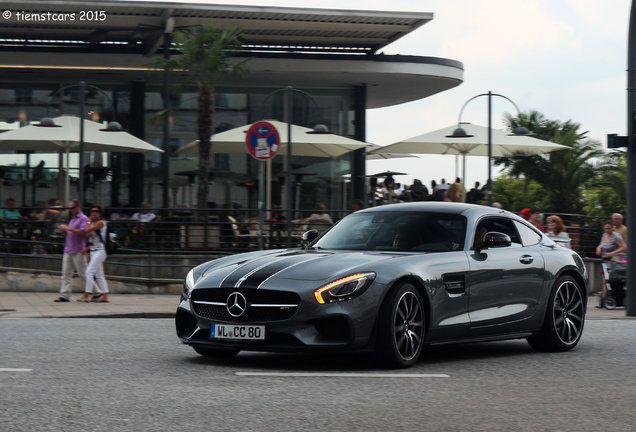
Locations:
column 215, row 353
column 564, row 318
column 401, row 327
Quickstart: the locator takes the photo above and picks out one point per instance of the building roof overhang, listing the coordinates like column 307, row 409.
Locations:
column 291, row 46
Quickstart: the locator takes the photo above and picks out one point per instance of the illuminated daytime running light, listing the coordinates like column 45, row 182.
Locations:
column 344, row 289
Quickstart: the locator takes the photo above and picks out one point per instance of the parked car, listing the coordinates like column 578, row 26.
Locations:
column 391, row 280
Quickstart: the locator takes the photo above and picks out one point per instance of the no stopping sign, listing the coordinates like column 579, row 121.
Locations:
column 262, row 140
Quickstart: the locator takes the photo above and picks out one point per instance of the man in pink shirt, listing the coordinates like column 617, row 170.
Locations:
column 75, row 243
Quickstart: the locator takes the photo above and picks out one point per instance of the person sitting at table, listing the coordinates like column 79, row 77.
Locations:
column 319, row 220
column 10, row 212
column 145, row 215
column 277, row 214
column 39, row 230
column 54, row 209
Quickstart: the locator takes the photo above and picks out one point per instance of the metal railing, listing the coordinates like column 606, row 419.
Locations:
column 222, row 232
column 25, row 236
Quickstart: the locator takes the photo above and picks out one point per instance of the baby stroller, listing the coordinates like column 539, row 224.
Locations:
column 615, row 273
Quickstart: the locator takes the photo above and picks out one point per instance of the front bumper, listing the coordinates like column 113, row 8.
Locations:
column 345, row 326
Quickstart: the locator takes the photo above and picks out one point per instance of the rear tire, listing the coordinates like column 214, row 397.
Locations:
column 215, row 353
column 609, row 303
column 401, row 327
column 564, row 318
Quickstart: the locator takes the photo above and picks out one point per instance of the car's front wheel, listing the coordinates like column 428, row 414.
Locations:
column 215, row 353
column 401, row 327
column 564, row 319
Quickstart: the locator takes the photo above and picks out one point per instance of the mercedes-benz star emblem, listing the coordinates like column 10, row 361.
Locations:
column 236, row 304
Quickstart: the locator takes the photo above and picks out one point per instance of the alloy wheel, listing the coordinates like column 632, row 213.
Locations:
column 408, row 325
column 568, row 312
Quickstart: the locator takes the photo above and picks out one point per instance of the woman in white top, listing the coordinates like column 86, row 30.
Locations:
column 556, row 231
column 96, row 232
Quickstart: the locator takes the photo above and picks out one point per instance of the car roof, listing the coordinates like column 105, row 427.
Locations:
column 472, row 210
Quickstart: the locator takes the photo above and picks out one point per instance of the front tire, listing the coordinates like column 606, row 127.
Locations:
column 401, row 327
column 215, row 353
column 564, row 318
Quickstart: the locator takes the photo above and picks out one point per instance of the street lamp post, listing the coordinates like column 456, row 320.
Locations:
column 461, row 133
column 631, row 162
column 287, row 118
column 165, row 157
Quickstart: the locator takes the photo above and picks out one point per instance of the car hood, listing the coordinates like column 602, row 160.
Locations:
column 259, row 269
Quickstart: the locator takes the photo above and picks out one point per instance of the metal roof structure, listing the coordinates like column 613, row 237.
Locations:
column 120, row 25
column 104, row 42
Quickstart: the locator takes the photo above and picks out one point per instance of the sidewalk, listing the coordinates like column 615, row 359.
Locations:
column 41, row 305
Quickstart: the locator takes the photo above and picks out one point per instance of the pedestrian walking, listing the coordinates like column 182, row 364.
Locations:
column 611, row 245
column 74, row 258
column 96, row 231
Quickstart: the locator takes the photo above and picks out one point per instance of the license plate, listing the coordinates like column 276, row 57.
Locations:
column 237, row 332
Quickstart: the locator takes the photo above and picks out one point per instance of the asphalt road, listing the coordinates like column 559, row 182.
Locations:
column 133, row 375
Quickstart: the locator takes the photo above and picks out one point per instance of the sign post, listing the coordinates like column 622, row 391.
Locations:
column 263, row 142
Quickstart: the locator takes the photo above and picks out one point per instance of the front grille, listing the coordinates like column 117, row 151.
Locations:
column 257, row 304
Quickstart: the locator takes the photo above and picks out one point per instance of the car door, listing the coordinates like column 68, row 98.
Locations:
column 446, row 278
column 505, row 283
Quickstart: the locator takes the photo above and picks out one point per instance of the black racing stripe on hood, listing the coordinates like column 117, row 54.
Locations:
column 231, row 280
column 258, row 277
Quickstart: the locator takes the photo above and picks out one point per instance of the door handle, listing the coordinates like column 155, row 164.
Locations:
column 526, row 259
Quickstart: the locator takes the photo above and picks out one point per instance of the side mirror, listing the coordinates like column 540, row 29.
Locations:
column 494, row 239
column 309, row 236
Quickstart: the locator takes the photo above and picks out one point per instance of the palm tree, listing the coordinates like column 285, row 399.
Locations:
column 608, row 192
column 563, row 173
column 205, row 59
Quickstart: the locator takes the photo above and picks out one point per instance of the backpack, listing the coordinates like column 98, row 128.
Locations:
column 110, row 242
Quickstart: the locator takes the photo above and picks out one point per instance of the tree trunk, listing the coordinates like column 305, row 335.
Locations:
column 204, row 126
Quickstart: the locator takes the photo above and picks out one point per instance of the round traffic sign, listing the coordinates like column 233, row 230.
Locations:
column 262, row 140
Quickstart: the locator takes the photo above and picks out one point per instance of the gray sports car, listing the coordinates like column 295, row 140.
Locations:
column 391, row 280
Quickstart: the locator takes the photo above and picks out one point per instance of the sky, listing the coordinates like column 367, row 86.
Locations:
column 564, row 58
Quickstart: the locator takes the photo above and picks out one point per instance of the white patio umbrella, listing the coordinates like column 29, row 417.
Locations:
column 503, row 144
column 370, row 155
column 305, row 142
column 66, row 138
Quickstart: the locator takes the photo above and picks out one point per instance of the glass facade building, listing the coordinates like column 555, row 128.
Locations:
column 329, row 56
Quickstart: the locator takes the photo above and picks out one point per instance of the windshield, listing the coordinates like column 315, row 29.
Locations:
column 397, row 231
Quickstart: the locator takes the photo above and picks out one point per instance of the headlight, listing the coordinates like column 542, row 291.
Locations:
column 345, row 288
column 188, row 284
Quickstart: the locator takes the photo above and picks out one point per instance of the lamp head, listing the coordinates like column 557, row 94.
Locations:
column 47, row 122
column 113, row 126
column 320, row 129
column 459, row 133
column 521, row 131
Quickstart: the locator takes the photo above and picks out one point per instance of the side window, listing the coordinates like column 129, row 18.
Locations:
column 501, row 225
column 529, row 237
